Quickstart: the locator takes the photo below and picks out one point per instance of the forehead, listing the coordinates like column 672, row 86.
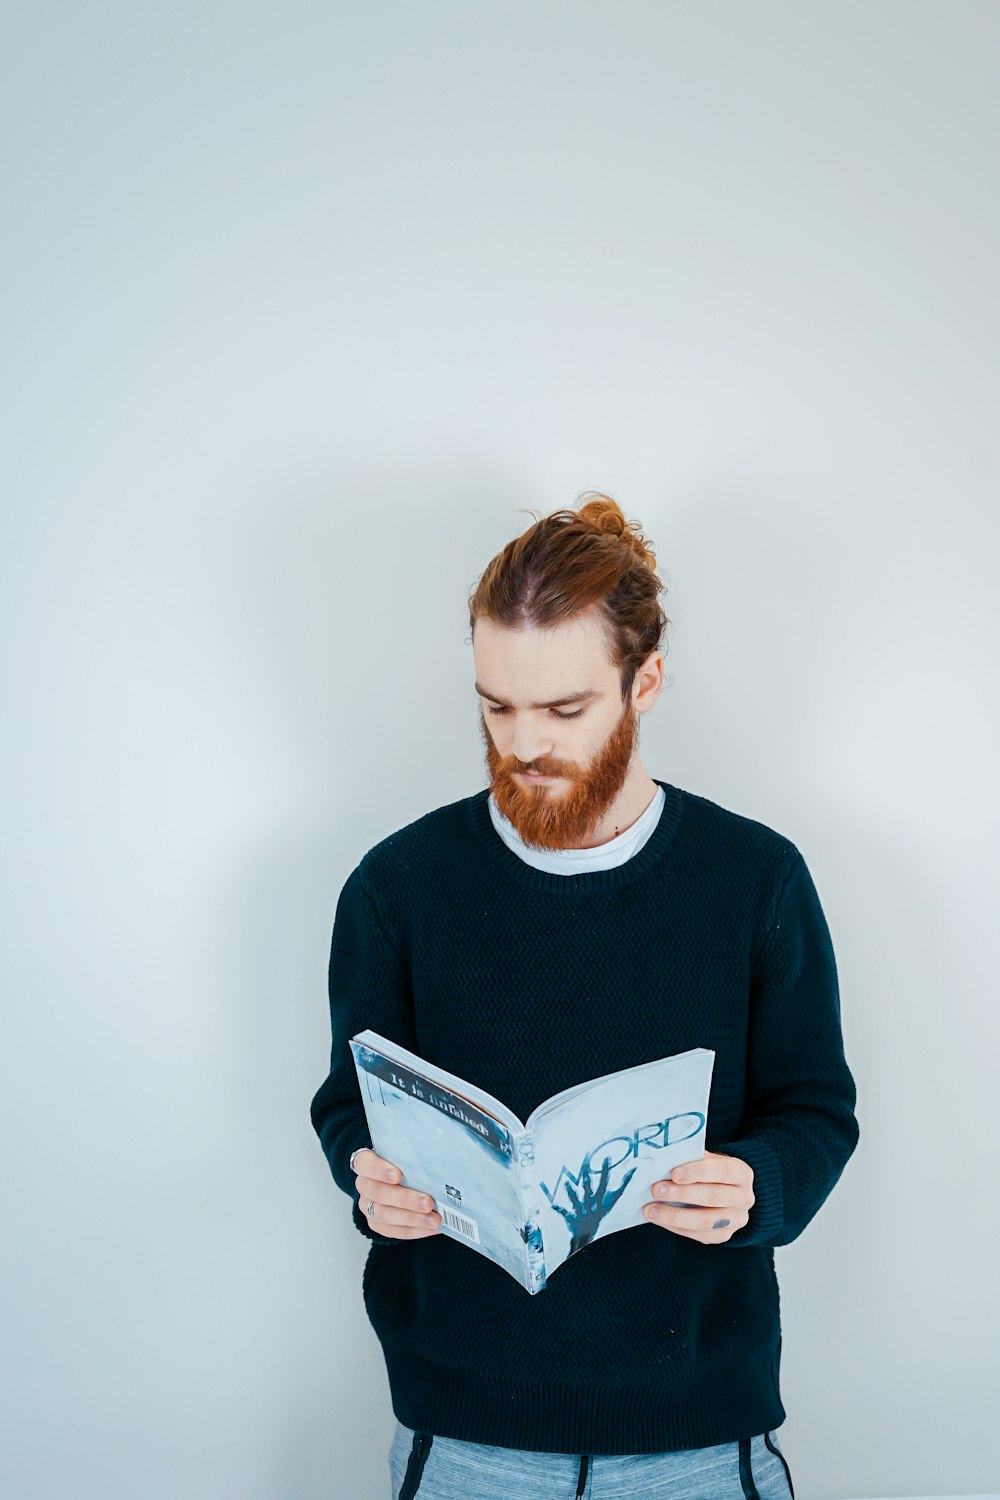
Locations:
column 533, row 663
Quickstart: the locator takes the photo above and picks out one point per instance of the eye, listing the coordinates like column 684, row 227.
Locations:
column 574, row 715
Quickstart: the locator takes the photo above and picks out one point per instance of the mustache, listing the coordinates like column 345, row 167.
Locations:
column 510, row 765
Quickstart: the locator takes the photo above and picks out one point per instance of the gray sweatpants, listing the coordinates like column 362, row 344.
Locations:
column 439, row 1468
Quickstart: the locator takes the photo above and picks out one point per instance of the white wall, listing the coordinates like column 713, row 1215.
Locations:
column 302, row 304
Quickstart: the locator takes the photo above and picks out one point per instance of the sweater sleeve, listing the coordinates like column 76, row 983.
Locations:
column 368, row 986
column 799, row 1128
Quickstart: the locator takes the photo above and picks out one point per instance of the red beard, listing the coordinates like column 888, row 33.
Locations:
column 546, row 817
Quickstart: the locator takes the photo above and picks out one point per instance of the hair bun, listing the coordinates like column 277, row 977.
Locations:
column 607, row 517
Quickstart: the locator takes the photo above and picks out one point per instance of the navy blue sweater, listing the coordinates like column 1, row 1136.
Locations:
column 526, row 982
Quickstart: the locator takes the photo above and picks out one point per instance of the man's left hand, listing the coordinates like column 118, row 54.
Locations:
column 713, row 1199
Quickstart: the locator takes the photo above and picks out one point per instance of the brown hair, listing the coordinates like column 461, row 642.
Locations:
column 575, row 560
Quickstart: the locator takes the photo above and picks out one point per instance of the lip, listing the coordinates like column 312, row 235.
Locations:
column 531, row 776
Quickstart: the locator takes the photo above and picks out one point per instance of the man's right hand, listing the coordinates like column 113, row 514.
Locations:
column 400, row 1213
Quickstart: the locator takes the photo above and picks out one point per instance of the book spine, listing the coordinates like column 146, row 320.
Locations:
column 531, row 1232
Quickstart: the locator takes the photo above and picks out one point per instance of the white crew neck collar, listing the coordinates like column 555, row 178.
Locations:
column 582, row 861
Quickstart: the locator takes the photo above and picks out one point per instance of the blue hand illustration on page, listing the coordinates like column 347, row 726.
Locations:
column 592, row 1205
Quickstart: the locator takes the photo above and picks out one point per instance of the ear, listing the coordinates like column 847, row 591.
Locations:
column 647, row 682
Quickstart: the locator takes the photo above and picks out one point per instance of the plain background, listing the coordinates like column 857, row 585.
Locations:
column 305, row 307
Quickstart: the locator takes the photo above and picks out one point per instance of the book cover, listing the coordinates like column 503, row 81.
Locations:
column 529, row 1195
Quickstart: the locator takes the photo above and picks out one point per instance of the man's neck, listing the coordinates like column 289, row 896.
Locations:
column 636, row 794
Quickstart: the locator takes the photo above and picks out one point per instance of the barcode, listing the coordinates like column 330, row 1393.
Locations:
column 459, row 1222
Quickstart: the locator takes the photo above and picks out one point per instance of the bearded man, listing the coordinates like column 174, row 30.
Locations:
column 575, row 918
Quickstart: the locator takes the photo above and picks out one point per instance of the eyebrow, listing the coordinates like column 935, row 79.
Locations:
column 552, row 703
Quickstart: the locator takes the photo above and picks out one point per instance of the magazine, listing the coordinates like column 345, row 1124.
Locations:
column 530, row 1195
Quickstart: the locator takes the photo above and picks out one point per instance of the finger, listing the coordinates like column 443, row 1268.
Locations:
column 402, row 1232
column 695, row 1220
column 703, row 1236
column 386, row 1214
column 369, row 1164
column 714, row 1168
column 704, row 1194
column 399, row 1197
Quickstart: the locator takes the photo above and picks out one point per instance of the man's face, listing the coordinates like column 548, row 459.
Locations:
column 550, row 703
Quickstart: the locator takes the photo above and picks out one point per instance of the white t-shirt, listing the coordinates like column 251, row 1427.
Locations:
column 580, row 861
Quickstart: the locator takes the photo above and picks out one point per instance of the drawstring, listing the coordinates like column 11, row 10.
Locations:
column 581, row 1483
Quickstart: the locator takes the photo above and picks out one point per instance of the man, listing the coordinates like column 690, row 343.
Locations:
column 577, row 918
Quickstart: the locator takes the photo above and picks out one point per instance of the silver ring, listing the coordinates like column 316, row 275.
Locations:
column 354, row 1154
column 370, row 1210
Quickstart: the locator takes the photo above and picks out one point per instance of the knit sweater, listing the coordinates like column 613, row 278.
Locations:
column 526, row 982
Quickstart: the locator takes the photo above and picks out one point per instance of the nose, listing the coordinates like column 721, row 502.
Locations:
column 530, row 742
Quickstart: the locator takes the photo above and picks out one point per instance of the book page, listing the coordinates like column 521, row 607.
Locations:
column 446, row 1146
column 599, row 1147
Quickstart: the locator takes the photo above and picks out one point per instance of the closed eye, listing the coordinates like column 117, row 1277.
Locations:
column 574, row 715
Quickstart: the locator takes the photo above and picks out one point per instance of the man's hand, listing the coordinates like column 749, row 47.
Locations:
column 715, row 1196
column 400, row 1213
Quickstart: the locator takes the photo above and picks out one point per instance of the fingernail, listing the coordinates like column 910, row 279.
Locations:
column 428, row 1218
column 679, row 1174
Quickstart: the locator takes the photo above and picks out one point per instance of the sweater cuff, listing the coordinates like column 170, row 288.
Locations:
column 768, row 1212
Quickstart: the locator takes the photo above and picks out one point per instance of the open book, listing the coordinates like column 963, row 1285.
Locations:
column 530, row 1195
